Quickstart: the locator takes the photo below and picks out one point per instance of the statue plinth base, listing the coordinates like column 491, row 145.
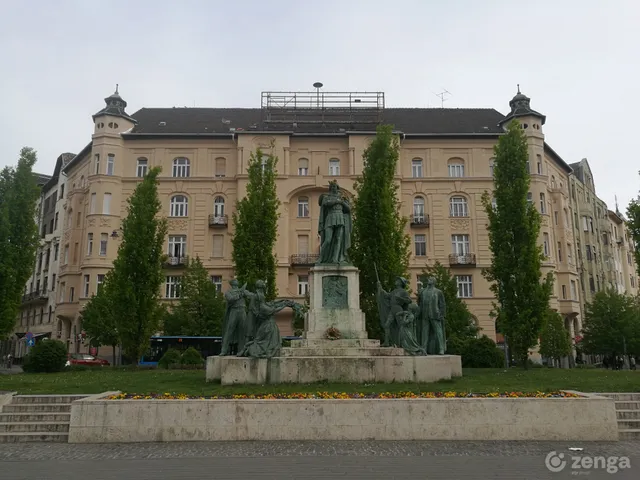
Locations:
column 334, row 302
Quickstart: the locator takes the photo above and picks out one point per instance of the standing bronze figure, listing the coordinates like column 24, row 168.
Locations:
column 334, row 227
column 432, row 314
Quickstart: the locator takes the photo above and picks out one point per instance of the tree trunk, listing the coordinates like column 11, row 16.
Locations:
column 114, row 354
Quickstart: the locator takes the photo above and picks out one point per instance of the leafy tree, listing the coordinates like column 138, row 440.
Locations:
column 554, row 337
column 137, row 275
column 170, row 358
column 191, row 356
column 611, row 324
column 200, row 309
column 514, row 226
column 98, row 319
column 18, row 235
column 459, row 323
column 378, row 238
column 633, row 224
column 255, row 222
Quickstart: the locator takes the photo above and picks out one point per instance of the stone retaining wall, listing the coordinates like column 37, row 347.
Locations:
column 97, row 420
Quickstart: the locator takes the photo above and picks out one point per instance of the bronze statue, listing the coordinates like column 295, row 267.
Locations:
column 234, row 319
column 389, row 305
column 334, row 227
column 251, row 318
column 406, row 331
column 433, row 309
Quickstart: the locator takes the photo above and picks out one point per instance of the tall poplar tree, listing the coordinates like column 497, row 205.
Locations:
column 18, row 235
column 255, row 222
column 514, row 226
column 379, row 238
column 633, row 224
column 137, row 275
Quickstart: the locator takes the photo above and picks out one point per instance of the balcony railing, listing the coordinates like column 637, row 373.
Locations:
column 461, row 260
column 35, row 297
column 419, row 220
column 218, row 220
column 176, row 261
column 304, row 259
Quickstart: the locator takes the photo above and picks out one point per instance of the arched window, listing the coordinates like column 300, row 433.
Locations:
column 543, row 206
column 334, row 167
column 218, row 207
column 50, row 312
column 418, row 210
column 458, row 207
column 416, row 168
column 82, row 181
column 303, row 166
column 181, row 167
column 456, row 167
column 303, row 207
column 221, row 167
column 553, row 181
column 179, row 206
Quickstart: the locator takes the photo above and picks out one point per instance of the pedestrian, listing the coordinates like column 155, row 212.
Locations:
column 632, row 362
column 9, row 361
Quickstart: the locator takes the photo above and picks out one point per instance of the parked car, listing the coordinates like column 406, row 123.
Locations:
column 86, row 360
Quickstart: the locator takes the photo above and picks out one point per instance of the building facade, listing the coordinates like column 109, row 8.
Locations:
column 446, row 164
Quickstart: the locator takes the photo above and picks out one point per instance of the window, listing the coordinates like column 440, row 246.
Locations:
column 106, row 204
column 56, row 251
column 111, row 159
column 589, row 254
column 47, row 260
column 494, row 204
column 172, row 287
column 181, row 167
column 418, row 283
column 420, row 242
column 559, row 251
column 41, row 315
column 45, row 285
column 76, row 250
column 605, row 238
column 65, row 258
column 569, row 254
column 591, row 224
column 564, row 292
column 220, row 167
column 460, row 244
column 177, row 246
column 303, row 167
column 303, row 244
column 303, row 285
column 543, row 206
column 62, row 291
column 96, row 163
column 458, row 207
column 85, row 291
column 72, row 293
column 539, row 162
column 218, row 207
column 585, row 224
column 53, row 282
column 78, row 219
column 55, row 226
column 574, row 291
column 529, row 198
column 217, row 282
column 264, row 160
column 528, row 166
column 99, row 281
column 555, row 217
column 218, row 246
column 492, row 165
column 142, row 168
column 416, row 168
column 334, row 167
column 303, row 207
column 50, row 313
column 465, row 286
column 545, row 244
column 92, row 203
column 592, row 285
column 456, row 169
column 179, row 206
column 104, row 237
column 567, row 223
column 418, row 210
column 633, row 281
column 89, row 243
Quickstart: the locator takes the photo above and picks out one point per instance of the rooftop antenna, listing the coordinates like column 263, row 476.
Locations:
column 441, row 95
column 317, row 86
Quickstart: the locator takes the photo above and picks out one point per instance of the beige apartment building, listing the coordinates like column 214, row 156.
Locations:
column 446, row 163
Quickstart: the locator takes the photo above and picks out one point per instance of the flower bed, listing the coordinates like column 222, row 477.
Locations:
column 342, row 396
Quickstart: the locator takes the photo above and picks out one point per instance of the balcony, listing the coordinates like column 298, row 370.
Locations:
column 219, row 221
column 462, row 260
column 304, row 260
column 419, row 220
column 35, row 297
column 176, row 261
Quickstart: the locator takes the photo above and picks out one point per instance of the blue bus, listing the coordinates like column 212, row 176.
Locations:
column 207, row 346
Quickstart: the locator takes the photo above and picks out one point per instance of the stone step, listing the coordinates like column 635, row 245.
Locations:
column 35, row 417
column 342, row 343
column 34, row 427
column 341, row 352
column 623, row 397
column 39, row 399
column 627, row 405
column 37, row 408
column 628, row 414
column 628, row 424
column 629, row 434
column 18, row 437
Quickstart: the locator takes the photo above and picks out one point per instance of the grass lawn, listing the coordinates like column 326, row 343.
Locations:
column 192, row 382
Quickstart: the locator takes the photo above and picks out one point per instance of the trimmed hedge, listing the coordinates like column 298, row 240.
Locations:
column 46, row 356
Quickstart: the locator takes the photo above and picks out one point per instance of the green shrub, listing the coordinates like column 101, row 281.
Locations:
column 456, row 345
column 481, row 353
column 171, row 357
column 45, row 357
column 191, row 356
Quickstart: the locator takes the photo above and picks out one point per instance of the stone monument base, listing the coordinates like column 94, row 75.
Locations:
column 352, row 367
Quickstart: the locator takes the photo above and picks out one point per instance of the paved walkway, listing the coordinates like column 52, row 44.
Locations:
column 306, row 460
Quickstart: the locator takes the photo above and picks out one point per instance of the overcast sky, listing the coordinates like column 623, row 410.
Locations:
column 578, row 60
